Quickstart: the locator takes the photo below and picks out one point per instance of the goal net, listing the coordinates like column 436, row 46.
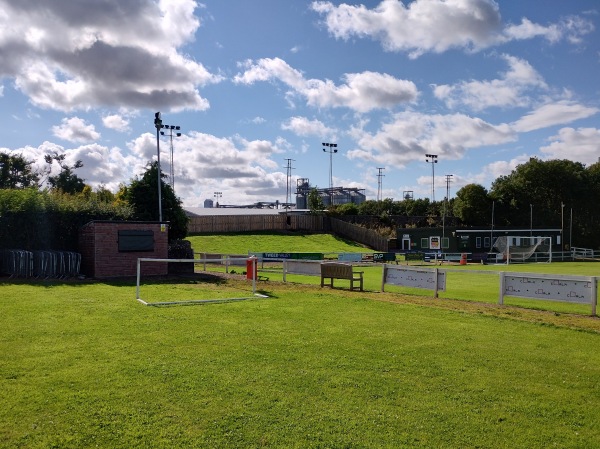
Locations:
column 219, row 292
column 522, row 249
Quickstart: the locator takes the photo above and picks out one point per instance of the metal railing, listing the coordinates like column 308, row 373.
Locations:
column 39, row 264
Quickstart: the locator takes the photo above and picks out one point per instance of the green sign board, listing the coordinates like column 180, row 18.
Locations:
column 292, row 256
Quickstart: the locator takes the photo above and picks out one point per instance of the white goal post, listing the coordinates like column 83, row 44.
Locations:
column 141, row 260
column 519, row 248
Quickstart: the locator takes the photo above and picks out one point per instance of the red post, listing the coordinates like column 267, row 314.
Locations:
column 251, row 269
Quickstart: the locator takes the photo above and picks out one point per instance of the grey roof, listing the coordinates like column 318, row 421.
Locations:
column 208, row 211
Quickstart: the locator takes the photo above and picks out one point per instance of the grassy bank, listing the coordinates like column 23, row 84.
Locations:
column 242, row 243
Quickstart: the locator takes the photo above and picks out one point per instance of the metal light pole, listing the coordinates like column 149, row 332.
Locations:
column 571, row 231
column 562, row 226
column 492, row 228
column 158, row 124
column 170, row 134
column 530, row 220
column 432, row 158
column 330, row 148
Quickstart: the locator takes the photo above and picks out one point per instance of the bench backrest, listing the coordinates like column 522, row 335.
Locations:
column 336, row 270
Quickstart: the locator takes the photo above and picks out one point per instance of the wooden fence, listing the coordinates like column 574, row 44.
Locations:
column 248, row 223
column 312, row 223
column 359, row 234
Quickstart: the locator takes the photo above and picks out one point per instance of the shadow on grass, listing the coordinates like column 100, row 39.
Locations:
column 129, row 281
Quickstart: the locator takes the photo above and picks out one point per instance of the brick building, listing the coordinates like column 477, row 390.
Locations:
column 111, row 248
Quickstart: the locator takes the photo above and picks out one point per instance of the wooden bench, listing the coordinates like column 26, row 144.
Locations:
column 333, row 270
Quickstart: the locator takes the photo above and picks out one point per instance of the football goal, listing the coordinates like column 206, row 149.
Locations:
column 524, row 248
column 221, row 297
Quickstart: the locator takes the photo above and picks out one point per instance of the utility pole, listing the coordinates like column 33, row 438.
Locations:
column 380, row 175
column 288, row 191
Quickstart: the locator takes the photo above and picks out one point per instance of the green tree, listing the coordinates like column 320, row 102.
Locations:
column 472, row 205
column 345, row 209
column 66, row 181
column 538, row 189
column 315, row 202
column 16, row 172
column 34, row 220
column 416, row 208
column 142, row 195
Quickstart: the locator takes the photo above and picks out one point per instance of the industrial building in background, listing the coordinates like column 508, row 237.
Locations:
column 330, row 196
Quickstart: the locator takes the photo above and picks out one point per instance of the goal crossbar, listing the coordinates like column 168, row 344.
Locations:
column 194, row 301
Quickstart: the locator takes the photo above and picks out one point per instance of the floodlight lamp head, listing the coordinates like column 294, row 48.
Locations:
column 178, row 134
column 157, row 121
column 335, row 151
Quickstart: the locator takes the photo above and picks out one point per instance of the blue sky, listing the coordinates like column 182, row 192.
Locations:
column 483, row 84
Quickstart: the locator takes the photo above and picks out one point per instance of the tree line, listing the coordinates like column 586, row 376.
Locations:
column 40, row 210
column 559, row 194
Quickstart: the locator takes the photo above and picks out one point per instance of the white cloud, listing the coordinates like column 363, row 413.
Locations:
column 552, row 114
column 438, row 25
column 302, row 126
column 508, row 91
column 222, row 162
column 528, row 30
column 116, row 122
column 496, row 169
column 101, row 165
column 104, row 165
column 580, row 145
column 268, row 69
column 410, row 135
column 75, row 129
column 422, row 26
column 71, row 56
column 246, row 167
column 571, row 28
column 362, row 92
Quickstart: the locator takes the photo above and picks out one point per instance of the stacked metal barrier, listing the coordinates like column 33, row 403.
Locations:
column 39, row 264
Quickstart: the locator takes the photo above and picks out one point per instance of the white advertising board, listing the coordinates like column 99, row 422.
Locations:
column 308, row 267
column 579, row 290
column 415, row 278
